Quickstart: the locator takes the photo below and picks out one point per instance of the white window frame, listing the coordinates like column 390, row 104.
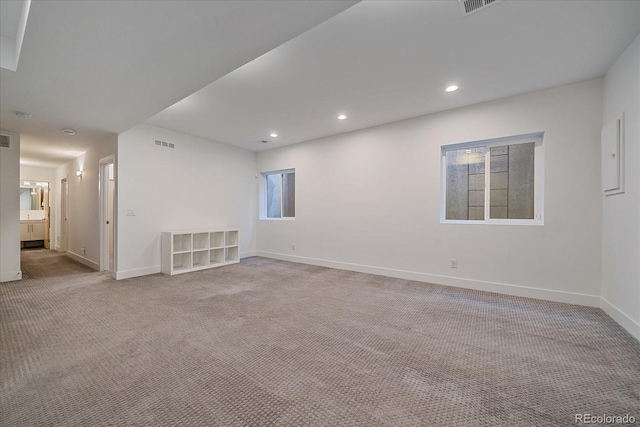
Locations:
column 263, row 195
column 538, row 186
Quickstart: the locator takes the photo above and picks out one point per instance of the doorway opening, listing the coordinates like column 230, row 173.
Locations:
column 107, row 189
column 34, row 214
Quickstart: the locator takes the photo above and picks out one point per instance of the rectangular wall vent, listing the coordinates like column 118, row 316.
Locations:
column 5, row 141
column 468, row 7
column 164, row 144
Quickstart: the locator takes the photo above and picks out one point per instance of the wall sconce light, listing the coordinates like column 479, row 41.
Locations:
column 79, row 173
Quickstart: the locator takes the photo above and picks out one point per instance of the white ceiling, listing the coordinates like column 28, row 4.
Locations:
column 380, row 62
column 10, row 18
column 103, row 67
column 13, row 21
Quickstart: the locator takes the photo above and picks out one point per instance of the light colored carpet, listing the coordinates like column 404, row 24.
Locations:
column 43, row 263
column 270, row 343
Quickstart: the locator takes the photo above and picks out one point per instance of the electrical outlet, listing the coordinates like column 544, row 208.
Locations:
column 293, row 247
column 454, row 263
column 84, row 251
column 131, row 212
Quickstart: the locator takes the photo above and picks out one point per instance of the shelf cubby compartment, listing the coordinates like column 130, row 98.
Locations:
column 182, row 252
column 181, row 243
column 231, row 238
column 217, row 239
column 231, row 254
column 182, row 261
column 200, row 258
column 216, row 256
column 200, row 241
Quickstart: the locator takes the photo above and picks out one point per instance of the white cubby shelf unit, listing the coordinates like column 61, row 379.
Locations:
column 185, row 251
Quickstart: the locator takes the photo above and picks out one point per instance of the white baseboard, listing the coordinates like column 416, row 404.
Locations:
column 501, row 288
column 137, row 272
column 621, row 318
column 83, row 260
column 247, row 254
column 10, row 276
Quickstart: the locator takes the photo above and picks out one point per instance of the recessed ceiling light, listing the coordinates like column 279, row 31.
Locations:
column 274, row 135
column 23, row 115
column 69, row 131
column 451, row 88
column 342, row 117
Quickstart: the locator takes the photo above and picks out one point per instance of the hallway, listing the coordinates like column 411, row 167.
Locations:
column 45, row 264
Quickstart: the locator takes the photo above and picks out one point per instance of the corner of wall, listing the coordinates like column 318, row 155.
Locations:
column 621, row 318
column 620, row 293
column 201, row 184
column 10, row 210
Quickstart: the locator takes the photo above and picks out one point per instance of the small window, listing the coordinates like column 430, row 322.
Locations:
column 279, row 192
column 495, row 181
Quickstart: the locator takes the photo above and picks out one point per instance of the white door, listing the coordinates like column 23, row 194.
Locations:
column 64, row 209
column 107, row 214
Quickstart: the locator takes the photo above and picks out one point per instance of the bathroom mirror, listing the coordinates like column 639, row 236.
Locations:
column 32, row 195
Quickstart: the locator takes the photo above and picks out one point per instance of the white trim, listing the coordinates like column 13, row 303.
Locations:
column 127, row 274
column 103, row 197
column 10, row 276
column 262, row 195
column 247, row 254
column 494, row 221
column 621, row 156
column 501, row 288
column 496, row 142
column 137, row 272
column 64, row 214
column 538, row 182
column 278, row 171
column 621, row 318
column 616, row 314
column 82, row 260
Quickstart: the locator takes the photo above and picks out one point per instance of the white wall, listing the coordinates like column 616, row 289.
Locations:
column 369, row 200
column 84, row 204
column 621, row 213
column 10, row 210
column 198, row 185
column 34, row 173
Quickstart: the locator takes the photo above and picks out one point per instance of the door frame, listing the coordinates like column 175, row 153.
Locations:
column 64, row 213
column 103, row 191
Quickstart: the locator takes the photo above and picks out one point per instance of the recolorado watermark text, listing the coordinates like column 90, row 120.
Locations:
column 604, row 419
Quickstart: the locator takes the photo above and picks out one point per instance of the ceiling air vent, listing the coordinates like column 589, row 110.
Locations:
column 164, row 144
column 468, row 7
column 5, row 141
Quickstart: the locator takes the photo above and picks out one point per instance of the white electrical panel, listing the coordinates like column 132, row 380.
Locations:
column 613, row 157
